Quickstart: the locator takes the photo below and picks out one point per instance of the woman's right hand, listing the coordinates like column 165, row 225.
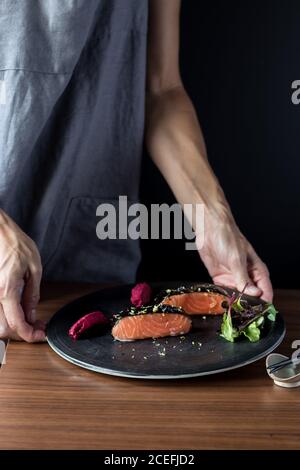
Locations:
column 20, row 277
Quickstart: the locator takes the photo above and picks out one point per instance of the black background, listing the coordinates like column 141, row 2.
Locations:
column 238, row 60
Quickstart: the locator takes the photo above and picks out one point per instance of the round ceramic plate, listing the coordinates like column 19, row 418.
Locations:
column 201, row 352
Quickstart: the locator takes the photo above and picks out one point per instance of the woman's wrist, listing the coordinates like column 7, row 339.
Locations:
column 216, row 207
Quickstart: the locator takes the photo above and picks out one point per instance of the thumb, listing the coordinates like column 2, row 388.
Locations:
column 243, row 281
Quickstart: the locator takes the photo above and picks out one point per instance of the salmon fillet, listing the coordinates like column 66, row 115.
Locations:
column 151, row 325
column 194, row 303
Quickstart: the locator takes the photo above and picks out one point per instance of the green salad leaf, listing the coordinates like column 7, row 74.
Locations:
column 244, row 319
column 227, row 330
column 252, row 331
column 271, row 311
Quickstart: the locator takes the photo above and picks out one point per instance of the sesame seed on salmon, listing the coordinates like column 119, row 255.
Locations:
column 194, row 303
column 151, row 325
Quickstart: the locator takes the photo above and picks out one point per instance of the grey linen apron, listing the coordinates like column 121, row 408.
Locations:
column 72, row 75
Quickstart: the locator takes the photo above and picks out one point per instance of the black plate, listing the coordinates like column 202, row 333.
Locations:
column 201, row 352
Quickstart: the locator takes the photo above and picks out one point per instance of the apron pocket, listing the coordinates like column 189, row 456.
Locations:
column 80, row 256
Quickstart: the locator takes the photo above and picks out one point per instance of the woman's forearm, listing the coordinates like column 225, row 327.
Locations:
column 175, row 143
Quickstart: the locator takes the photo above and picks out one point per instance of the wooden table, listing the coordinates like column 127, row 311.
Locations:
column 47, row 403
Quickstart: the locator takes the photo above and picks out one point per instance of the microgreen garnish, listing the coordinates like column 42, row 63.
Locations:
column 242, row 318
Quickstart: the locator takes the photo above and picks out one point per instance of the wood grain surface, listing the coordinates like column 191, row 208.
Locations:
column 47, row 403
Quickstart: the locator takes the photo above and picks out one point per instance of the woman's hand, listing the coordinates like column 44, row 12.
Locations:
column 232, row 261
column 20, row 277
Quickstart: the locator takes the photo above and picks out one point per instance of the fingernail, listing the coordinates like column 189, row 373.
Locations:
column 253, row 290
column 40, row 336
